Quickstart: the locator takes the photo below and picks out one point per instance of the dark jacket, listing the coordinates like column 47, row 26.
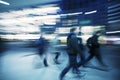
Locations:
column 41, row 44
column 72, row 44
column 92, row 42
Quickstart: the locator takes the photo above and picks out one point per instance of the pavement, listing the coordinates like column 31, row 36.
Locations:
column 21, row 63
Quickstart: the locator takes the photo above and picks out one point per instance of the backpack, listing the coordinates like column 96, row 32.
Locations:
column 92, row 42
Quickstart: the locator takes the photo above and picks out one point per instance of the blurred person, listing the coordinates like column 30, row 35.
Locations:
column 42, row 47
column 72, row 50
column 2, row 46
column 94, row 49
column 55, row 49
column 81, row 54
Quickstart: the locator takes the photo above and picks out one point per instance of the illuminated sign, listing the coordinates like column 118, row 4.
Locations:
column 85, row 22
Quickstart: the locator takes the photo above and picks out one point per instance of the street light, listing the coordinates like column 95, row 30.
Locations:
column 4, row 2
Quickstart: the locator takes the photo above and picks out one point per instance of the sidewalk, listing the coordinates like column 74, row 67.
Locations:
column 17, row 66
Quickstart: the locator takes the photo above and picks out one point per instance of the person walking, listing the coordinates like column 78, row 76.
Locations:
column 42, row 45
column 54, row 49
column 94, row 49
column 72, row 50
column 81, row 54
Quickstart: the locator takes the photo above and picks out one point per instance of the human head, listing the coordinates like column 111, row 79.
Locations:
column 41, row 34
column 98, row 33
column 72, row 29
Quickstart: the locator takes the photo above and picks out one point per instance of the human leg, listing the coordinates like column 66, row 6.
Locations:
column 66, row 69
column 91, row 55
column 56, row 57
column 99, row 57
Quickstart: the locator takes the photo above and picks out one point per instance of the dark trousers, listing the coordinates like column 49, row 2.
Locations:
column 82, row 58
column 94, row 52
column 41, row 53
column 57, row 55
column 72, row 64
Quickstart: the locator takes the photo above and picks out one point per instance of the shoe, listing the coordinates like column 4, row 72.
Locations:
column 57, row 62
column 88, row 65
column 45, row 63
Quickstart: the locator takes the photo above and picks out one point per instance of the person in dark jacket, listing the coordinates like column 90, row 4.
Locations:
column 72, row 50
column 94, row 49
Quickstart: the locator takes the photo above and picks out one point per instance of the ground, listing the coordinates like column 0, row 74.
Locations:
column 21, row 63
